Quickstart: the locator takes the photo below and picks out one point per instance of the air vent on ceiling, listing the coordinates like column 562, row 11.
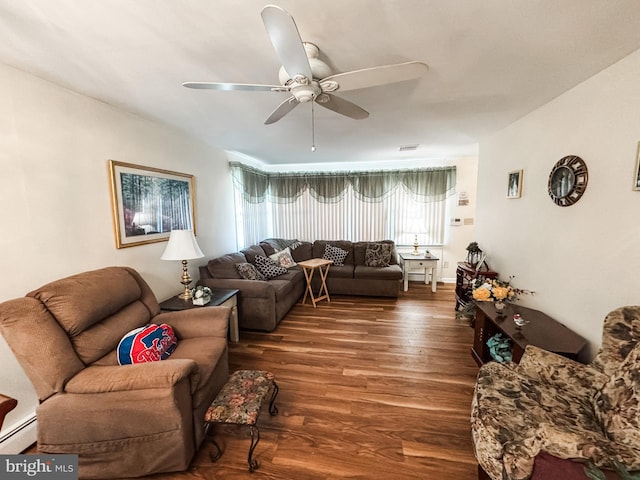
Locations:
column 408, row 148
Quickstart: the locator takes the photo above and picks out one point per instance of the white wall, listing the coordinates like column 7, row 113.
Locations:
column 55, row 194
column 582, row 260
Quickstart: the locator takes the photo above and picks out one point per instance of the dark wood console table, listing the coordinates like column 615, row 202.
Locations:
column 465, row 274
column 541, row 331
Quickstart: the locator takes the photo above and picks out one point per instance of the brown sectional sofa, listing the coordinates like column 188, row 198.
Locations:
column 263, row 304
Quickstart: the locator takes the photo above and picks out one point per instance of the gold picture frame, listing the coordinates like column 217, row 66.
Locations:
column 636, row 180
column 514, row 184
column 148, row 203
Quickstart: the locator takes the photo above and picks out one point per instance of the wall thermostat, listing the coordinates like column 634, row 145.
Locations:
column 456, row 221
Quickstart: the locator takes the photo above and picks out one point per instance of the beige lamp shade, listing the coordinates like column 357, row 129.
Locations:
column 182, row 246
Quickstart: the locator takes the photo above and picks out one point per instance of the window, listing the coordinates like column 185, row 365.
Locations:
column 396, row 205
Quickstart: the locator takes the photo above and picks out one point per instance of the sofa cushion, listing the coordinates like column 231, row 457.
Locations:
column 319, row 247
column 377, row 255
column 249, row 271
column 206, row 352
column 268, row 267
column 360, row 251
column 620, row 335
column 267, row 248
column 283, row 258
column 617, row 404
column 251, row 252
column 302, row 252
column 281, row 287
column 392, row 272
column 104, row 292
column 336, row 254
column 225, row 266
column 340, row 271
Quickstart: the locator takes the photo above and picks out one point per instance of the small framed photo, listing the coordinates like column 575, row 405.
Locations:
column 636, row 178
column 514, row 184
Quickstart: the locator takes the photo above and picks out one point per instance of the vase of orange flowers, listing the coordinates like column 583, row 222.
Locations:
column 498, row 291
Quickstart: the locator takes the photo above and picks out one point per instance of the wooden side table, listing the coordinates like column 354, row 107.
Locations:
column 540, row 330
column 221, row 297
column 6, row 405
column 422, row 261
column 310, row 266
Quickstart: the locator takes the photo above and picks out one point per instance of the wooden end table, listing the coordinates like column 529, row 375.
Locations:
column 540, row 330
column 6, row 405
column 422, row 261
column 221, row 297
column 310, row 266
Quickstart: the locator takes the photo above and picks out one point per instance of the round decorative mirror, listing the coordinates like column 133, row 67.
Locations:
column 568, row 180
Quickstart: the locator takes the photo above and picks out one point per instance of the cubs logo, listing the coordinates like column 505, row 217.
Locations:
column 147, row 344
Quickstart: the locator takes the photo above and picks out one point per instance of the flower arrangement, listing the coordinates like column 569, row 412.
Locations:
column 496, row 290
column 201, row 295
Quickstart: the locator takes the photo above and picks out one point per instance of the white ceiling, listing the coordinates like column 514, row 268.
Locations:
column 491, row 62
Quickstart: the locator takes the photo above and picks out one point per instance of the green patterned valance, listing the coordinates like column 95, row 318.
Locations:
column 423, row 184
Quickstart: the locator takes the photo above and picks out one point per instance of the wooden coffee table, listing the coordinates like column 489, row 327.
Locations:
column 310, row 266
column 540, row 330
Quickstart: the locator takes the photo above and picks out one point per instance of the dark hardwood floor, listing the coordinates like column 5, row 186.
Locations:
column 370, row 388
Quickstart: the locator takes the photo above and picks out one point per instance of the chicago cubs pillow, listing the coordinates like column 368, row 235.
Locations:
column 150, row 343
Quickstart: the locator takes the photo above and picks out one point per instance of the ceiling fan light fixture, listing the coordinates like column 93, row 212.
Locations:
column 306, row 93
column 310, row 79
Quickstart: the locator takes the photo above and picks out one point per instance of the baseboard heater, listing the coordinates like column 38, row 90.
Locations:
column 19, row 438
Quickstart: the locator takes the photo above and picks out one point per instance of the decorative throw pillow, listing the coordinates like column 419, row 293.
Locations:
column 378, row 255
column 150, row 343
column 249, row 271
column 283, row 258
column 336, row 254
column 268, row 267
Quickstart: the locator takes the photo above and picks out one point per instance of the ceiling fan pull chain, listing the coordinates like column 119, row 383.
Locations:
column 313, row 127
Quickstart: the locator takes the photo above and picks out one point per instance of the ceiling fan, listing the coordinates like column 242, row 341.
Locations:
column 309, row 79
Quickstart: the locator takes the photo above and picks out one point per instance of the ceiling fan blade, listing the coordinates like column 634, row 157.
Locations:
column 286, row 41
column 234, row 86
column 344, row 107
column 282, row 109
column 372, row 77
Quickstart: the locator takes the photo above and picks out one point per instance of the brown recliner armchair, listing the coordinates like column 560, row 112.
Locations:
column 122, row 421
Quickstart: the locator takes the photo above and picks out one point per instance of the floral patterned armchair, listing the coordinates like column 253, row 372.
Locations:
column 567, row 409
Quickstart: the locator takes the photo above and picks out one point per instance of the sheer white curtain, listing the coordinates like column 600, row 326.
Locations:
column 397, row 216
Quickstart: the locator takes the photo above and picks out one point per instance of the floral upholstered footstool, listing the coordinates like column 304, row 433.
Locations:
column 239, row 402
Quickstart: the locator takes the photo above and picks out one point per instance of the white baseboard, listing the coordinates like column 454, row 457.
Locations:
column 419, row 277
column 19, row 438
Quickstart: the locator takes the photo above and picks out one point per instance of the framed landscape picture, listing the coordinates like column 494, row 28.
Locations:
column 514, row 184
column 149, row 202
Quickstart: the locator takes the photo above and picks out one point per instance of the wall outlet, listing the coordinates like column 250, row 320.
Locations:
column 445, row 265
